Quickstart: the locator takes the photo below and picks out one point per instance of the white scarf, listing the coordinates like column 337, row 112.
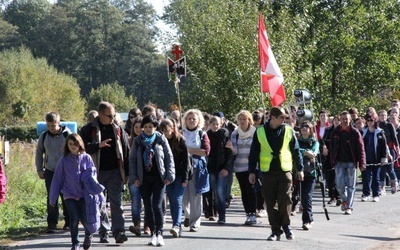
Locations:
column 249, row 133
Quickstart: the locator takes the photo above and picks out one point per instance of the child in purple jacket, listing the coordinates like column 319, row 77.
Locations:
column 76, row 178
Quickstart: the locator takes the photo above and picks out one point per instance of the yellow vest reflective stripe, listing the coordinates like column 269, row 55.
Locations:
column 285, row 155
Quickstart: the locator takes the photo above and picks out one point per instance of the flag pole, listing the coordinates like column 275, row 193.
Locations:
column 179, row 98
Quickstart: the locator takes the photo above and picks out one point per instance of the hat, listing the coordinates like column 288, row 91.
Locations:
column 278, row 111
column 219, row 114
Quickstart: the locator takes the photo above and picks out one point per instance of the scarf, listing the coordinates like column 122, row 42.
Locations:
column 148, row 152
column 249, row 133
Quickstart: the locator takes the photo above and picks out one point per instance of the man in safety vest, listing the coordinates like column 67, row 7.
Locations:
column 276, row 150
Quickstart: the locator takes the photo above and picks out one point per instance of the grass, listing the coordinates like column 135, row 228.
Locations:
column 23, row 214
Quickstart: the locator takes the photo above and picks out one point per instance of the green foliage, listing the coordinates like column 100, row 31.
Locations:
column 114, row 94
column 22, row 133
column 30, row 88
column 25, row 204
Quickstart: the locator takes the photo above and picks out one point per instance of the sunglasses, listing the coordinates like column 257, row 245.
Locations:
column 370, row 120
column 110, row 116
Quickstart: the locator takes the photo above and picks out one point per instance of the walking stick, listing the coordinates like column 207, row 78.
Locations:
column 322, row 186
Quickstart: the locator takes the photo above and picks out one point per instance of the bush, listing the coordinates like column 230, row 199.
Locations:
column 21, row 133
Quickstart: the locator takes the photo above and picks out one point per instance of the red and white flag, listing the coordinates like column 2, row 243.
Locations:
column 271, row 75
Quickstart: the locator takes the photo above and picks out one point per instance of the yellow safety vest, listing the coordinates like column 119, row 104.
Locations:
column 266, row 156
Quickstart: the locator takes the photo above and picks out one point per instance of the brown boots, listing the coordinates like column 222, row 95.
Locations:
column 135, row 229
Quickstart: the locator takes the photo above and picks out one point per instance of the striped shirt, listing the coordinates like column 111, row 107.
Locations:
column 242, row 147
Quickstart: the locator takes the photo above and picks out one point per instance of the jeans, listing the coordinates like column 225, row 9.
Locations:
column 370, row 179
column 218, row 186
column 247, row 191
column 175, row 194
column 52, row 212
column 152, row 190
column 346, row 173
column 112, row 182
column 307, row 189
column 77, row 211
column 389, row 169
column 136, row 205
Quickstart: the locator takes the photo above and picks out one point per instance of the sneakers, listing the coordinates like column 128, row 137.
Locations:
column 153, row 240
column 221, row 221
column 135, row 230
column 394, row 186
column 261, row 213
column 186, row 222
column 251, row 219
column 175, row 231
column 194, row 229
column 338, row 202
column 347, row 211
column 160, row 240
column 383, row 190
column 365, row 198
column 375, row 199
column 288, row 232
column 331, row 201
column 87, row 242
column 307, row 226
column 120, row 237
column 51, row 229
column 104, row 238
column 343, row 206
column 75, row 247
column 274, row 237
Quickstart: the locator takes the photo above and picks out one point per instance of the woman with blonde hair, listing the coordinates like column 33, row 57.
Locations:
column 241, row 140
column 198, row 146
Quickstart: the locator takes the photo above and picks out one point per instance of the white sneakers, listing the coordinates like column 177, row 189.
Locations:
column 156, row 240
column 375, row 199
column 365, row 198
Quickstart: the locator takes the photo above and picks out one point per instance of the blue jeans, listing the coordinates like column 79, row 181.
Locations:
column 136, row 205
column 77, row 211
column 52, row 212
column 346, row 173
column 389, row 169
column 218, row 186
column 152, row 190
column 370, row 179
column 112, row 181
column 175, row 194
column 307, row 189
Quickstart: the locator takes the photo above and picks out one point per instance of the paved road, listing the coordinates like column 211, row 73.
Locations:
column 371, row 226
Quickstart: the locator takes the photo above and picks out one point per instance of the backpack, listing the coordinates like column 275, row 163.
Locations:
column 3, row 182
column 64, row 133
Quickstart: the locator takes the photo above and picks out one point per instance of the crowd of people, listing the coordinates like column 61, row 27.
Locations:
column 189, row 163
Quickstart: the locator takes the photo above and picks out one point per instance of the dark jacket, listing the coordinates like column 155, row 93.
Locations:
column 356, row 147
column 91, row 136
column 220, row 157
column 181, row 158
column 380, row 145
column 162, row 155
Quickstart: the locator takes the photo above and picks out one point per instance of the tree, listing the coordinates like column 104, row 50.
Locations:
column 114, row 94
column 31, row 88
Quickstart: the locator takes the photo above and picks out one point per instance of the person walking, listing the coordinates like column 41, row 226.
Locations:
column 76, row 178
column 49, row 150
column 182, row 172
column 198, row 146
column 152, row 168
column 241, row 140
column 347, row 153
column 107, row 143
column 276, row 149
